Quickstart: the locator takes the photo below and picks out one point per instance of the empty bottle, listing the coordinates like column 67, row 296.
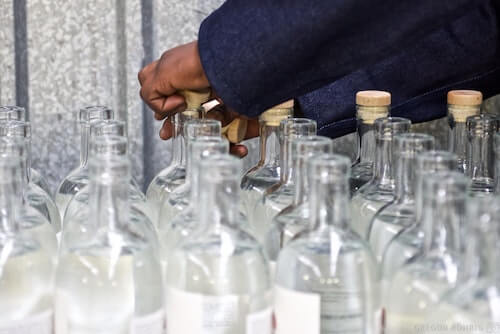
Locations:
column 472, row 306
column 78, row 178
column 461, row 104
column 296, row 217
column 180, row 228
column 280, row 195
column 109, row 282
column 267, row 172
column 15, row 113
column 400, row 213
column 418, row 286
column 77, row 224
column 381, row 189
column 409, row 242
column 481, row 130
column 175, row 174
column 326, row 277
column 177, row 200
column 370, row 106
column 35, row 196
column 218, row 280
column 26, row 268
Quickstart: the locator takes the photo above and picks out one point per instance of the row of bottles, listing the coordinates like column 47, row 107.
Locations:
column 314, row 245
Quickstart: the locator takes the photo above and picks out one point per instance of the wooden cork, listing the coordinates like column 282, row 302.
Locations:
column 235, row 131
column 373, row 98
column 275, row 115
column 194, row 99
column 464, row 103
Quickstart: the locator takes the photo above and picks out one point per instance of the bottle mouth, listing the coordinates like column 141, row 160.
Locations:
column 12, row 113
column 204, row 147
column 109, row 144
column 108, row 128
column 411, row 144
column 388, row 127
column 13, row 147
column 444, row 186
column 202, row 128
column 298, row 127
column 329, row 168
column 15, row 129
column 480, row 125
column 92, row 113
column 220, row 168
column 433, row 161
column 307, row 146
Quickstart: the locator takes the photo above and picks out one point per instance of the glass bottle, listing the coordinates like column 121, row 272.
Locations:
column 381, row 189
column 15, row 113
column 472, row 306
column 326, row 277
column 497, row 163
column 76, row 221
column 480, row 154
column 409, row 242
column 35, row 196
column 461, row 104
column 181, row 227
column 109, row 282
column 280, row 195
column 370, row 106
column 26, row 268
column 177, row 200
column 400, row 213
column 175, row 174
column 295, row 218
column 417, row 287
column 267, row 172
column 78, row 178
column 218, row 280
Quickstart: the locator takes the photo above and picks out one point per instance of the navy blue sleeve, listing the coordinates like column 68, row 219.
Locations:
column 463, row 54
column 259, row 53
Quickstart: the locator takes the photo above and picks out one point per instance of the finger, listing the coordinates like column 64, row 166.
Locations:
column 163, row 104
column 252, row 129
column 240, row 151
column 146, row 72
column 167, row 130
column 162, row 116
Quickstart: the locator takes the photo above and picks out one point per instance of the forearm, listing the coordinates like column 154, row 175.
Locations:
column 262, row 52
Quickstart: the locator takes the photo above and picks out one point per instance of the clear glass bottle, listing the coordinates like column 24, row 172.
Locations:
column 31, row 219
column 497, row 163
column 267, row 172
column 480, row 154
column 370, row 106
column 295, row 218
column 181, row 227
column 461, row 104
column 280, row 195
column 400, row 213
column 175, row 174
column 76, row 220
column 176, row 201
column 78, row 178
column 418, row 286
column 109, row 282
column 26, row 268
column 218, row 280
column 381, row 189
column 472, row 306
column 326, row 277
column 15, row 113
column 409, row 242
column 35, row 196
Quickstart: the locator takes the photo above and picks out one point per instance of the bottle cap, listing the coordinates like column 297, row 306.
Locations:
column 194, row 99
column 275, row 115
column 373, row 98
column 236, row 131
column 465, row 97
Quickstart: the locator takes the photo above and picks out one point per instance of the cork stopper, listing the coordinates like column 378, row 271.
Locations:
column 194, row 99
column 235, row 131
column 465, row 97
column 275, row 115
column 464, row 103
column 373, row 98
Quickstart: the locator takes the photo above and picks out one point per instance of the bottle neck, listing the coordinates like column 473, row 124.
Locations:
column 405, row 179
column 109, row 203
column 301, row 181
column 497, row 175
column 457, row 137
column 480, row 156
column 219, row 203
column 8, row 205
column 179, row 156
column 383, row 166
column 288, row 174
column 84, row 144
column 269, row 145
column 366, row 139
column 442, row 223
column 328, row 204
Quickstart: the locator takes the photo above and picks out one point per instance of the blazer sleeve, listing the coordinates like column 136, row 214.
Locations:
column 259, row 53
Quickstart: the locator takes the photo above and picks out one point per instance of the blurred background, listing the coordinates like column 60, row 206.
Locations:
column 57, row 56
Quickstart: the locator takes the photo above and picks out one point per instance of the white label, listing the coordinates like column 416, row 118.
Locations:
column 296, row 312
column 150, row 324
column 191, row 313
column 41, row 323
column 260, row 322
